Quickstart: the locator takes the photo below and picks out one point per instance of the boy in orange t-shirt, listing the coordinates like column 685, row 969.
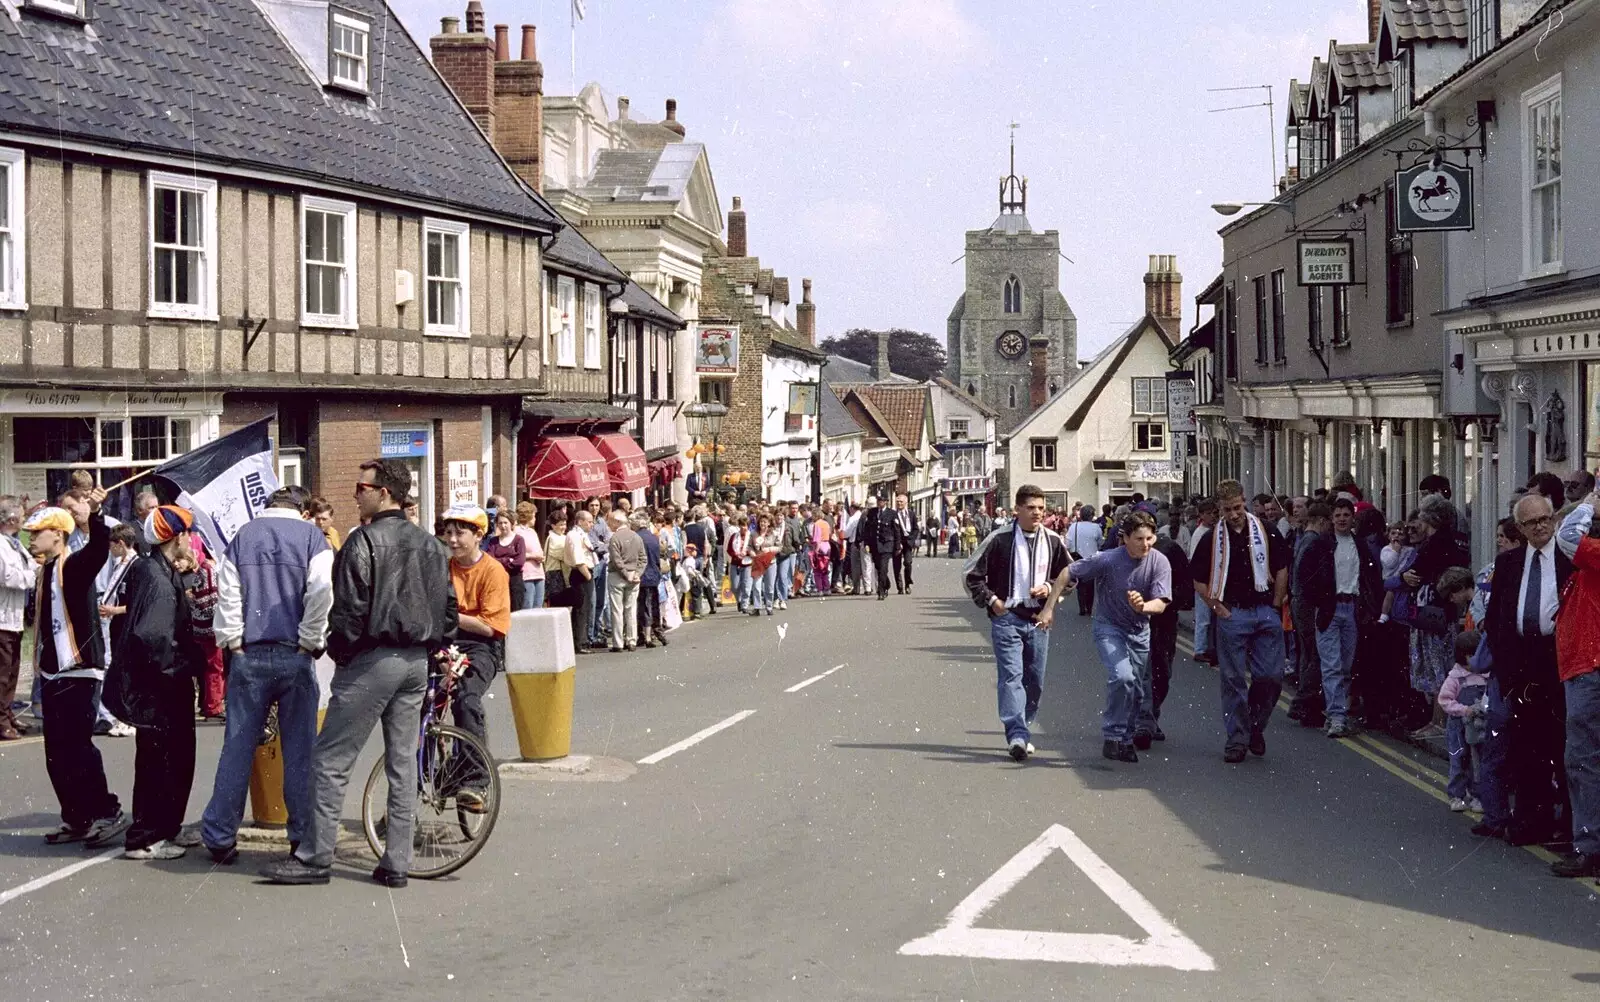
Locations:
column 483, row 604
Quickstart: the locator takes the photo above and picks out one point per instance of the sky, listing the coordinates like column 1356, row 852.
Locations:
column 867, row 136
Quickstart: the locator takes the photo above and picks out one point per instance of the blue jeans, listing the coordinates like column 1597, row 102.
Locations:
column 1336, row 651
column 1463, row 782
column 739, row 578
column 1127, row 660
column 1494, row 760
column 533, row 594
column 598, row 619
column 260, row 675
column 1020, row 652
column 1250, row 663
column 1202, row 628
column 785, row 572
column 1583, row 759
column 767, row 587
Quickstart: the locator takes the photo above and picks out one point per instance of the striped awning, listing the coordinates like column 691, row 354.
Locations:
column 969, row 485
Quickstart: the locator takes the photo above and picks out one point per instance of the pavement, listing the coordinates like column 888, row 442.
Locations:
column 853, row 835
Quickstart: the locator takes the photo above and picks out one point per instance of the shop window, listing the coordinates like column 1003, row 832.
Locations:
column 445, row 263
column 45, row 450
column 328, row 262
column 13, row 208
column 1150, row 436
column 183, row 247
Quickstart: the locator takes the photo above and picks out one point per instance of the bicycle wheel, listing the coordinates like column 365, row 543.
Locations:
column 458, row 802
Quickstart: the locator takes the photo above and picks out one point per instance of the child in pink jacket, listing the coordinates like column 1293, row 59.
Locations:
column 1462, row 698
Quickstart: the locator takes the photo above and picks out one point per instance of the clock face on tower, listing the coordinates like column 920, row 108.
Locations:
column 1011, row 345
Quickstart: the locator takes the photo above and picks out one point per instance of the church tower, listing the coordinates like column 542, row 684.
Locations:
column 1012, row 338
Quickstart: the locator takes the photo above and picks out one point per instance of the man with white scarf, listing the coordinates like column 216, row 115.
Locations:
column 1009, row 576
column 1241, row 573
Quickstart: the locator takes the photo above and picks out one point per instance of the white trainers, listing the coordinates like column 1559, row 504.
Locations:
column 1475, row 805
column 1030, row 747
column 122, row 730
column 1457, row 804
column 160, row 850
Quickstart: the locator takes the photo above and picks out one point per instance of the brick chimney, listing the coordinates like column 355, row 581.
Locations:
column 502, row 42
column 805, row 315
column 1163, row 294
column 1374, row 19
column 519, row 111
column 466, row 62
column 737, row 242
column 671, row 121
column 1038, row 374
column 880, row 368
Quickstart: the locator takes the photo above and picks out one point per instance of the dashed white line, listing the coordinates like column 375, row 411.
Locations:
column 61, row 874
column 815, row 678
column 694, row 739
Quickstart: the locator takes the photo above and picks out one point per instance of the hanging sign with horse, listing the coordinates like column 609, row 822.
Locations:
column 1434, row 196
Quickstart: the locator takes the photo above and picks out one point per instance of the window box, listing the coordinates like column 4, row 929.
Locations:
column 349, row 44
column 183, row 247
column 445, row 265
column 327, row 263
column 13, row 231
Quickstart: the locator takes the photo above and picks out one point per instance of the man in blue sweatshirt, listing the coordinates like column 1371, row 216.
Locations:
column 274, row 590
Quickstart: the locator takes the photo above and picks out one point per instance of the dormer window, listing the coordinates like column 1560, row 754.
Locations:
column 75, row 9
column 1400, row 70
column 1012, row 295
column 348, row 38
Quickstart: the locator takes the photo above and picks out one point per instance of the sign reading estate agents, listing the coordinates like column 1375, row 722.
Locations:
column 1327, row 262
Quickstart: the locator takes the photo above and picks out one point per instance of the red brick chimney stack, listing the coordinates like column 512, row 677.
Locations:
column 1163, row 294
column 519, row 111
column 1374, row 19
column 805, row 315
column 530, row 54
column 1038, row 374
column 671, row 122
column 466, row 62
column 737, row 242
column 502, row 42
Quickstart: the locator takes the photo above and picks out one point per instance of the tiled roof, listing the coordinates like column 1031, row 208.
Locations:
column 1427, row 20
column 641, row 303
column 965, row 397
column 1318, row 87
column 1356, row 67
column 213, row 80
column 903, row 407
column 836, row 419
column 842, row 371
column 571, row 252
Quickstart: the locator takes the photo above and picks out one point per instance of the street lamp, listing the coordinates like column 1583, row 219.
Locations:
column 1234, row 208
column 706, row 419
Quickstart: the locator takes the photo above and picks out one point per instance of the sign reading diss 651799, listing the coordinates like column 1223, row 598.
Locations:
column 1327, row 262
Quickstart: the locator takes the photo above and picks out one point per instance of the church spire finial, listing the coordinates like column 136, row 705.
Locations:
column 1013, row 191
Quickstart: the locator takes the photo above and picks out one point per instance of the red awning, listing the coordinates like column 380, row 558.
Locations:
column 566, row 468
column 665, row 471
column 625, row 462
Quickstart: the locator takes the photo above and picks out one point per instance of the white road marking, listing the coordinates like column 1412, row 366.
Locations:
column 694, row 739
column 61, row 874
column 1164, row 946
column 815, row 678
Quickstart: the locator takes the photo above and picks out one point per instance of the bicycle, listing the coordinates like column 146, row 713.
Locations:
column 458, row 786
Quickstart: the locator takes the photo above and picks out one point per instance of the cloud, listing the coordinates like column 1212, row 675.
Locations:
column 854, row 33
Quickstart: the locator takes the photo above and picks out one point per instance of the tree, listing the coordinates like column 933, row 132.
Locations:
column 912, row 354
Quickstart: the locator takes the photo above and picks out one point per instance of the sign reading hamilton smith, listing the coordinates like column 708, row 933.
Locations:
column 1433, row 196
column 1327, row 261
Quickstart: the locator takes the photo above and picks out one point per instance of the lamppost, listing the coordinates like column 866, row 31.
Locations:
column 1234, row 208
column 706, row 419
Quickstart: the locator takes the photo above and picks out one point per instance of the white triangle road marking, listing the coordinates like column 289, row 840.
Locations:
column 1164, row 946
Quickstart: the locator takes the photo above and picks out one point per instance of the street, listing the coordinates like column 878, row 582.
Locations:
column 799, row 851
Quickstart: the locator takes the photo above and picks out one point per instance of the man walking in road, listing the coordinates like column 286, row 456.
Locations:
column 69, row 662
column 17, row 577
column 1138, row 585
column 1009, row 577
column 393, row 605
column 274, row 590
column 1241, row 571
column 1083, row 540
column 903, row 546
column 1342, row 590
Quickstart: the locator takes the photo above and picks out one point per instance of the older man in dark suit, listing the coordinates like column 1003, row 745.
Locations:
column 1527, row 708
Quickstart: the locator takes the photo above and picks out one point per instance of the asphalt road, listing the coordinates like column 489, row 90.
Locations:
column 802, row 851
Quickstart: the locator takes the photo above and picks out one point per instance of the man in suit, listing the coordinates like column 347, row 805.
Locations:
column 1527, row 709
column 897, row 537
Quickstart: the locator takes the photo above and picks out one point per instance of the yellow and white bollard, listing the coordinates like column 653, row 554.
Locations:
column 267, row 806
column 540, row 663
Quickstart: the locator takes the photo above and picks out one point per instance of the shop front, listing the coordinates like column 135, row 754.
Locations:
column 45, row 434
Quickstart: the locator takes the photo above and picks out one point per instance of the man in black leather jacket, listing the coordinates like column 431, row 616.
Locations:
column 393, row 606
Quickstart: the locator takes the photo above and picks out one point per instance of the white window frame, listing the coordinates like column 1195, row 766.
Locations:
column 363, row 29
column 566, row 338
column 345, row 319
column 206, row 188
column 1150, row 383
column 463, row 234
column 592, row 314
column 1532, row 100
column 71, row 8
column 1034, row 445
column 960, row 429
column 1160, row 432
column 14, row 280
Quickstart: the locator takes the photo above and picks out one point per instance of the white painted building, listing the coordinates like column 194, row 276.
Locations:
column 1104, row 437
column 788, row 435
column 966, row 444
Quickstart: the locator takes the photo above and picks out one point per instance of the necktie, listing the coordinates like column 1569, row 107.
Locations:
column 1530, row 604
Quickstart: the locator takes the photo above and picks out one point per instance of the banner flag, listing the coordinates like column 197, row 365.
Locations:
column 225, row 483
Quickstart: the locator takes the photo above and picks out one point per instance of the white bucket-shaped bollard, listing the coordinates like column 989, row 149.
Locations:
column 540, row 663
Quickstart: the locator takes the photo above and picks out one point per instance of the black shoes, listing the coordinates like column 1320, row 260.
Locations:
column 1258, row 744
column 388, row 878
column 1233, row 754
column 1579, row 864
column 1019, row 750
column 1119, row 751
column 1486, row 830
column 290, row 870
column 225, row 856
column 1142, row 740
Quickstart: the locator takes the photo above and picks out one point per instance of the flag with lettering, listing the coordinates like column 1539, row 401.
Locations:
column 225, row 483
